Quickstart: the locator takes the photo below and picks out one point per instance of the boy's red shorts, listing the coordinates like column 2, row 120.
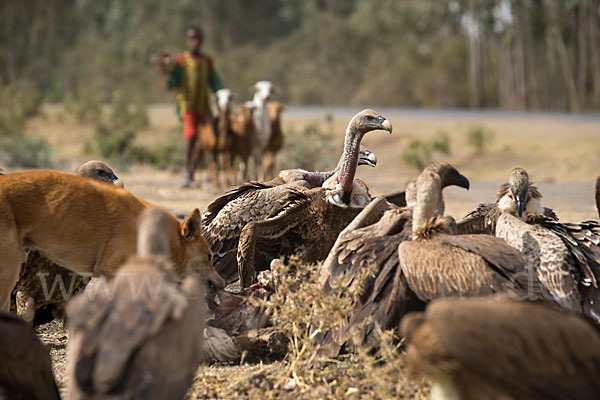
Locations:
column 190, row 125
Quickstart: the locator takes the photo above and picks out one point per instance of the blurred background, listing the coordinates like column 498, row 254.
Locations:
column 485, row 84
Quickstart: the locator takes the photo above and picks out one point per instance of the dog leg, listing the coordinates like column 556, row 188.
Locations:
column 25, row 306
column 12, row 256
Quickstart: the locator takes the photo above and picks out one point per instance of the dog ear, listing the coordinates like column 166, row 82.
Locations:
column 192, row 224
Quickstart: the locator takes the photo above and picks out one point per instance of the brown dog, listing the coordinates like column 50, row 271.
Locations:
column 85, row 226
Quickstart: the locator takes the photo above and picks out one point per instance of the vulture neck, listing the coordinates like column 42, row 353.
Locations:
column 429, row 198
column 316, row 178
column 349, row 162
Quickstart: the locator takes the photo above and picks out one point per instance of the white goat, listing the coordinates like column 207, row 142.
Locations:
column 262, row 91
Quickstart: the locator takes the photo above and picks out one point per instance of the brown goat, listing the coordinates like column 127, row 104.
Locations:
column 275, row 143
column 244, row 137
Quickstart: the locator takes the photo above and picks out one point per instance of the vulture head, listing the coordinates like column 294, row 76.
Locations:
column 519, row 196
column 100, row 171
column 518, row 183
column 429, row 201
column 367, row 157
column 363, row 122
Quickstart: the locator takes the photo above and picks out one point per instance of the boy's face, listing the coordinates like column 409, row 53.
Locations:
column 194, row 41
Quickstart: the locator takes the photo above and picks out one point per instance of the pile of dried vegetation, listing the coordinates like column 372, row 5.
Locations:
column 300, row 312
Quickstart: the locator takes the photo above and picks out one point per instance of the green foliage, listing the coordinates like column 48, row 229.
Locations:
column 311, row 148
column 18, row 101
column 420, row 153
column 114, row 137
column 479, row 138
column 26, row 152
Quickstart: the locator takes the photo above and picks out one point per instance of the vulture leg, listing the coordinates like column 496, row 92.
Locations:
column 253, row 231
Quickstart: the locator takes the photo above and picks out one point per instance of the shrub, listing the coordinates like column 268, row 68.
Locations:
column 420, row 153
column 311, row 148
column 27, row 152
column 114, row 136
column 479, row 138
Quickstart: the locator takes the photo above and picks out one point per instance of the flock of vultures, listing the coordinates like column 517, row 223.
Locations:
column 501, row 304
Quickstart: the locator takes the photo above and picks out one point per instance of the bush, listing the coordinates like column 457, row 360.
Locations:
column 114, row 136
column 27, row 152
column 311, row 148
column 479, row 138
column 18, row 101
column 420, row 153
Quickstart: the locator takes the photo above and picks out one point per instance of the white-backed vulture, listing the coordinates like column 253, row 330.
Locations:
column 499, row 348
column 227, row 215
column 139, row 335
column 439, row 263
column 564, row 256
column 307, row 221
column 518, row 196
column 373, row 237
column 25, row 368
column 30, row 292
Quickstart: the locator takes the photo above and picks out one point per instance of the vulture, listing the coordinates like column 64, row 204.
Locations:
column 499, row 348
column 564, row 256
column 141, row 334
column 518, row 196
column 227, row 215
column 308, row 221
column 25, row 367
column 373, row 237
column 59, row 284
column 439, row 263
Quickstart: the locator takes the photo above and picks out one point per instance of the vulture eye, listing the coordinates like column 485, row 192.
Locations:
column 369, row 118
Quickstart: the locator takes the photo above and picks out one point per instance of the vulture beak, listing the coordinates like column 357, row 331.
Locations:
column 520, row 204
column 386, row 124
column 461, row 181
column 117, row 182
column 367, row 158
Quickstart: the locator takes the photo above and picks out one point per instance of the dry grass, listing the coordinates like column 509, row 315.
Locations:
column 300, row 312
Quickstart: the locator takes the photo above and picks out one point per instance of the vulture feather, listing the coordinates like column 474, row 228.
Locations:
column 140, row 335
column 227, row 215
column 25, row 368
column 373, row 238
column 437, row 263
column 518, row 196
column 308, row 221
column 499, row 348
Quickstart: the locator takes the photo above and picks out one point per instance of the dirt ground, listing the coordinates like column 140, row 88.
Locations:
column 561, row 152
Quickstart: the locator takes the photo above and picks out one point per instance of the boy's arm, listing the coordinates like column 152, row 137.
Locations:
column 213, row 78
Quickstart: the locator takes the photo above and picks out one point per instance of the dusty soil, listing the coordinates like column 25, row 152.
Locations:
column 561, row 152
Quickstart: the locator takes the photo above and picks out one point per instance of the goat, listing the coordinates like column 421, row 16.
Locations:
column 262, row 92
column 275, row 143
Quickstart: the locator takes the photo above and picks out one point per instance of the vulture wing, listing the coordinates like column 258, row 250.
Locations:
column 362, row 243
column 227, row 215
column 528, row 349
column 25, row 369
column 463, row 265
column 113, row 329
column 481, row 220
